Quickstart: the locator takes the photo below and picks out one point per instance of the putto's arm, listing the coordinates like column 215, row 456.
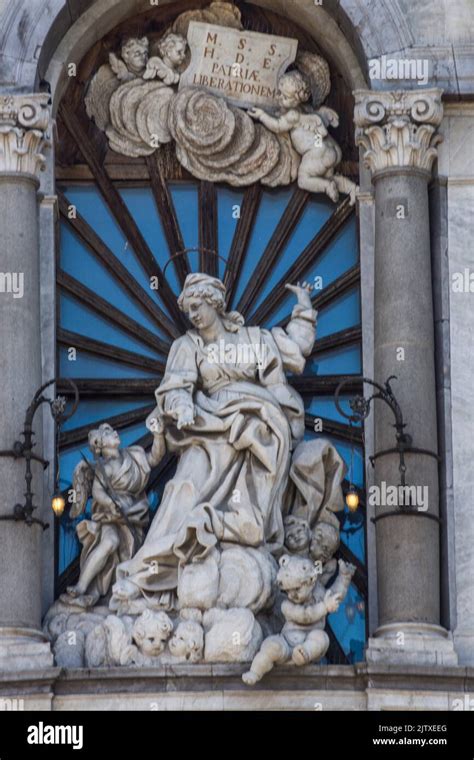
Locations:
column 276, row 124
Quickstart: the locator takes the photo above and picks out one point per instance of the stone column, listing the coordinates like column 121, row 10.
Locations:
column 24, row 124
column 397, row 132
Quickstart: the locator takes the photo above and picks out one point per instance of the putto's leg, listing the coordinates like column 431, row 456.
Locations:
column 315, row 647
column 274, row 651
column 345, row 185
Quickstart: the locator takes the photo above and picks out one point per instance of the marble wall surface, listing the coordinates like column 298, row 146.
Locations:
column 456, row 162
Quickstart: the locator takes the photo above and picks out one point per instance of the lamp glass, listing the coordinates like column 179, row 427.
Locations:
column 58, row 504
column 352, row 499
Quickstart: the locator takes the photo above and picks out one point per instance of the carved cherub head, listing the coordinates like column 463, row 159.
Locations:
column 297, row 577
column 297, row 534
column 188, row 641
column 293, row 90
column 325, row 542
column 172, row 49
column 135, row 54
column 103, row 439
column 151, row 631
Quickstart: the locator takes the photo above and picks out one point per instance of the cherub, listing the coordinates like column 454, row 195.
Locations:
column 309, row 136
column 128, row 641
column 172, row 50
column 302, row 639
column 150, row 633
column 116, row 480
column 325, row 542
column 297, row 535
column 136, row 62
column 187, row 643
column 133, row 61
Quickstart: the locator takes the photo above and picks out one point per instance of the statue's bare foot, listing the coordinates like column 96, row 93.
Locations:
column 124, row 590
column 250, row 678
column 78, row 599
column 75, row 591
column 300, row 656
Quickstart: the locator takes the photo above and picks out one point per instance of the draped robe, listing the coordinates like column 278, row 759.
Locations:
column 234, row 460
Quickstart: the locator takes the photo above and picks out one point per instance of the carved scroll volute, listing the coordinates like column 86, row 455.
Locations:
column 398, row 129
column 24, row 132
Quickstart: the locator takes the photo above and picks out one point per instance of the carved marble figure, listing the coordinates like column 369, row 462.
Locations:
column 303, row 638
column 233, row 427
column 134, row 99
column 116, row 480
column 309, row 135
column 247, row 488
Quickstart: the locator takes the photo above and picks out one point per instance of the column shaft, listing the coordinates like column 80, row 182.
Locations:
column 397, row 131
column 407, row 546
column 20, row 338
column 24, row 122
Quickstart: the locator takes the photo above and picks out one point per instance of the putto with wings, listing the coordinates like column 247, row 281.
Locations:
column 137, row 85
column 116, row 480
column 145, row 97
column 308, row 126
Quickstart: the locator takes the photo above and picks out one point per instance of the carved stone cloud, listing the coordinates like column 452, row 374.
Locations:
column 219, row 142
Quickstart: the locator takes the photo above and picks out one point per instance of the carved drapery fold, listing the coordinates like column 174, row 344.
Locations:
column 24, row 132
column 398, row 129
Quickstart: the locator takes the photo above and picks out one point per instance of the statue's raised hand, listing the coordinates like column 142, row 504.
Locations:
column 302, row 292
column 154, row 423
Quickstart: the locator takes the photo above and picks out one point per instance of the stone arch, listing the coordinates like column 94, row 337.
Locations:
column 37, row 37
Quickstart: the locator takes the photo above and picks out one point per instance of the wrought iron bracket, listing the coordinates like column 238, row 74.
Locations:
column 24, row 449
column 360, row 407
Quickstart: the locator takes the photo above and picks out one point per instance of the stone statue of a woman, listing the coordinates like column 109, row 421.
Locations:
column 234, row 422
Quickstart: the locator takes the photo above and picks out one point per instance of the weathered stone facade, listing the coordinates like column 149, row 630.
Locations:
column 417, row 154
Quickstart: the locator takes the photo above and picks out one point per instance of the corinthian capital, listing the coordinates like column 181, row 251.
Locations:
column 24, row 132
column 398, row 129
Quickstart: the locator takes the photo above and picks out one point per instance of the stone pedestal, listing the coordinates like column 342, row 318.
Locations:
column 398, row 134
column 24, row 121
column 315, row 688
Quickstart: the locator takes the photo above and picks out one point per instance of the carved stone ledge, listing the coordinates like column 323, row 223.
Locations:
column 24, row 132
column 398, row 129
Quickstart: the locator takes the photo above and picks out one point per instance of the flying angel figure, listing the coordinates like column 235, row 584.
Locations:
column 308, row 128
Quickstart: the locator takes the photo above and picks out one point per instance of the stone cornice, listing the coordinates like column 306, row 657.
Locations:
column 397, row 129
column 24, row 132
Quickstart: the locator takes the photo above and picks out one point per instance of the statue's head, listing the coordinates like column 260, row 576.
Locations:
column 325, row 542
column 173, row 48
column 135, row 54
column 102, row 438
column 188, row 641
column 293, row 89
column 297, row 577
column 297, row 533
column 151, row 631
column 203, row 301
